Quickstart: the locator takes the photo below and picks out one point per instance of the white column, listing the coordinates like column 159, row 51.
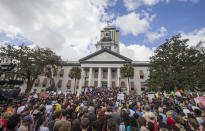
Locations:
column 90, row 76
column 118, row 77
column 128, row 86
column 109, row 78
column 82, row 81
column 99, row 76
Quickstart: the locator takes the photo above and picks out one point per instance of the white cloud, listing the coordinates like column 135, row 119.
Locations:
column 134, row 4
column 137, row 52
column 152, row 36
column 134, row 23
column 194, row 36
column 139, row 23
column 70, row 27
column 193, row 1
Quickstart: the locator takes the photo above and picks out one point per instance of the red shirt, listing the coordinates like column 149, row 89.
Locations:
column 4, row 122
column 155, row 126
column 170, row 121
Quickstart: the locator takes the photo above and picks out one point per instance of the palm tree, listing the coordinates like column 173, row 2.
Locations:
column 127, row 71
column 75, row 73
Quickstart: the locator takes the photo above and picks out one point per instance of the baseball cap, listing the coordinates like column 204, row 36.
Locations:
column 28, row 118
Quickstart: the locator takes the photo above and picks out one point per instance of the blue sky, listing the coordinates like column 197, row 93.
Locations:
column 175, row 16
column 71, row 28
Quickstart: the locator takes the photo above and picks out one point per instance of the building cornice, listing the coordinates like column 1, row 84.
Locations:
column 106, row 62
column 83, row 60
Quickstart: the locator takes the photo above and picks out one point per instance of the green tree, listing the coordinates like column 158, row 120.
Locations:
column 127, row 71
column 49, row 73
column 176, row 66
column 30, row 62
column 75, row 73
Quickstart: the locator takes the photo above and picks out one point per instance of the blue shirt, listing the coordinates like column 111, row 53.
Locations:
column 164, row 118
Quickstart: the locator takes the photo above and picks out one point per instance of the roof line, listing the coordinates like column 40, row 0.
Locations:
column 104, row 50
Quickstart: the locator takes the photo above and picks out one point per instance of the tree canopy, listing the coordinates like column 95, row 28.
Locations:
column 30, row 62
column 127, row 71
column 75, row 73
column 175, row 65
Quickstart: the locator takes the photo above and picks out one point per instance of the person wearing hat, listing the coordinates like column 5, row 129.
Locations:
column 26, row 123
column 169, row 118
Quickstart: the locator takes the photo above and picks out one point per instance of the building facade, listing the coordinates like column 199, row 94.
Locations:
column 99, row 69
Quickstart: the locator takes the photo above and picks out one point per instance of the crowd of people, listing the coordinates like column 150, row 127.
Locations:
column 101, row 110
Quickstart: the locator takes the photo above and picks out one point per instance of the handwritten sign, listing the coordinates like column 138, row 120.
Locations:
column 120, row 96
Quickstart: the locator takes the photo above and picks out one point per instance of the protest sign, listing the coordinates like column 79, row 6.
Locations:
column 202, row 100
column 43, row 94
column 35, row 96
column 120, row 96
column 151, row 96
column 59, row 91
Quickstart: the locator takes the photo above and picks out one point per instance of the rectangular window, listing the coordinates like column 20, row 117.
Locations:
column 68, row 84
column 141, row 77
column 142, row 86
column 61, row 73
column 141, row 73
column 104, row 74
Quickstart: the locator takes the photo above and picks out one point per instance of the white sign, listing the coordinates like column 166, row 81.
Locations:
column 151, row 96
column 196, row 100
column 59, row 91
column 120, row 96
column 35, row 96
column 86, row 90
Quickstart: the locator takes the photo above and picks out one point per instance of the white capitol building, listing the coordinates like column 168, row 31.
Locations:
column 99, row 69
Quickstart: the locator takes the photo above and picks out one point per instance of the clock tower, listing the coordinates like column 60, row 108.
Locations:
column 109, row 39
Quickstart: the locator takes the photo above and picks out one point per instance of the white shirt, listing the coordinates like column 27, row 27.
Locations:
column 43, row 128
column 49, row 108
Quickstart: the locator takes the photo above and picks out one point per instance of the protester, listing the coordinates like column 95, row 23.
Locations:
column 84, row 124
column 13, row 123
column 63, row 121
column 100, row 109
